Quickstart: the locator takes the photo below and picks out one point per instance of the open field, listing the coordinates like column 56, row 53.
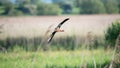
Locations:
column 21, row 37
column 56, row 59
column 28, row 31
column 37, row 26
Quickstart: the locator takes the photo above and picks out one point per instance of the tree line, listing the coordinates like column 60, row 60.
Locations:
column 58, row 7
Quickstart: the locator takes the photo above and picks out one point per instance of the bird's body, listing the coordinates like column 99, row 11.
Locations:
column 52, row 31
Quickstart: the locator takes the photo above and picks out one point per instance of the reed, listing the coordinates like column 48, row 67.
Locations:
column 115, row 62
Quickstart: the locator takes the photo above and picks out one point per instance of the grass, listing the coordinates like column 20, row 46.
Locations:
column 57, row 59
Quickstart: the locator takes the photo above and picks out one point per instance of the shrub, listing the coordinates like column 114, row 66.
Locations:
column 112, row 33
column 15, row 13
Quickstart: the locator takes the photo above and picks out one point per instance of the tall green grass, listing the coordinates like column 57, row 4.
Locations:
column 55, row 59
column 61, row 43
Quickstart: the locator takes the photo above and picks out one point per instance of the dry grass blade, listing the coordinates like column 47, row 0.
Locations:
column 115, row 48
column 43, row 43
column 1, row 27
column 94, row 61
column 89, row 47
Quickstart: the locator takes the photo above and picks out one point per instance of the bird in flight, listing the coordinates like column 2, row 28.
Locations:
column 57, row 29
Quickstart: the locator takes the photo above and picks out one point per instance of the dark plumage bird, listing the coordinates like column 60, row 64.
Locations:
column 57, row 29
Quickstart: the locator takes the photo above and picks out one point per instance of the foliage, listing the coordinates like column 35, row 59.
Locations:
column 48, row 9
column 7, row 6
column 76, row 10
column 92, row 7
column 26, row 7
column 2, row 10
column 37, row 7
column 119, row 5
column 66, row 6
column 112, row 32
column 111, row 6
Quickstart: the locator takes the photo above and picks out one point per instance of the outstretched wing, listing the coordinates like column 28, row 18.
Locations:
column 59, row 25
column 50, row 38
column 46, row 33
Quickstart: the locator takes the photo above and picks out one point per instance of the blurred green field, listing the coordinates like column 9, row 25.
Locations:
column 56, row 59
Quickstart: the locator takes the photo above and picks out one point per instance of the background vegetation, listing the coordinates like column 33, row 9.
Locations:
column 58, row 7
column 112, row 33
column 74, row 42
column 71, row 51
